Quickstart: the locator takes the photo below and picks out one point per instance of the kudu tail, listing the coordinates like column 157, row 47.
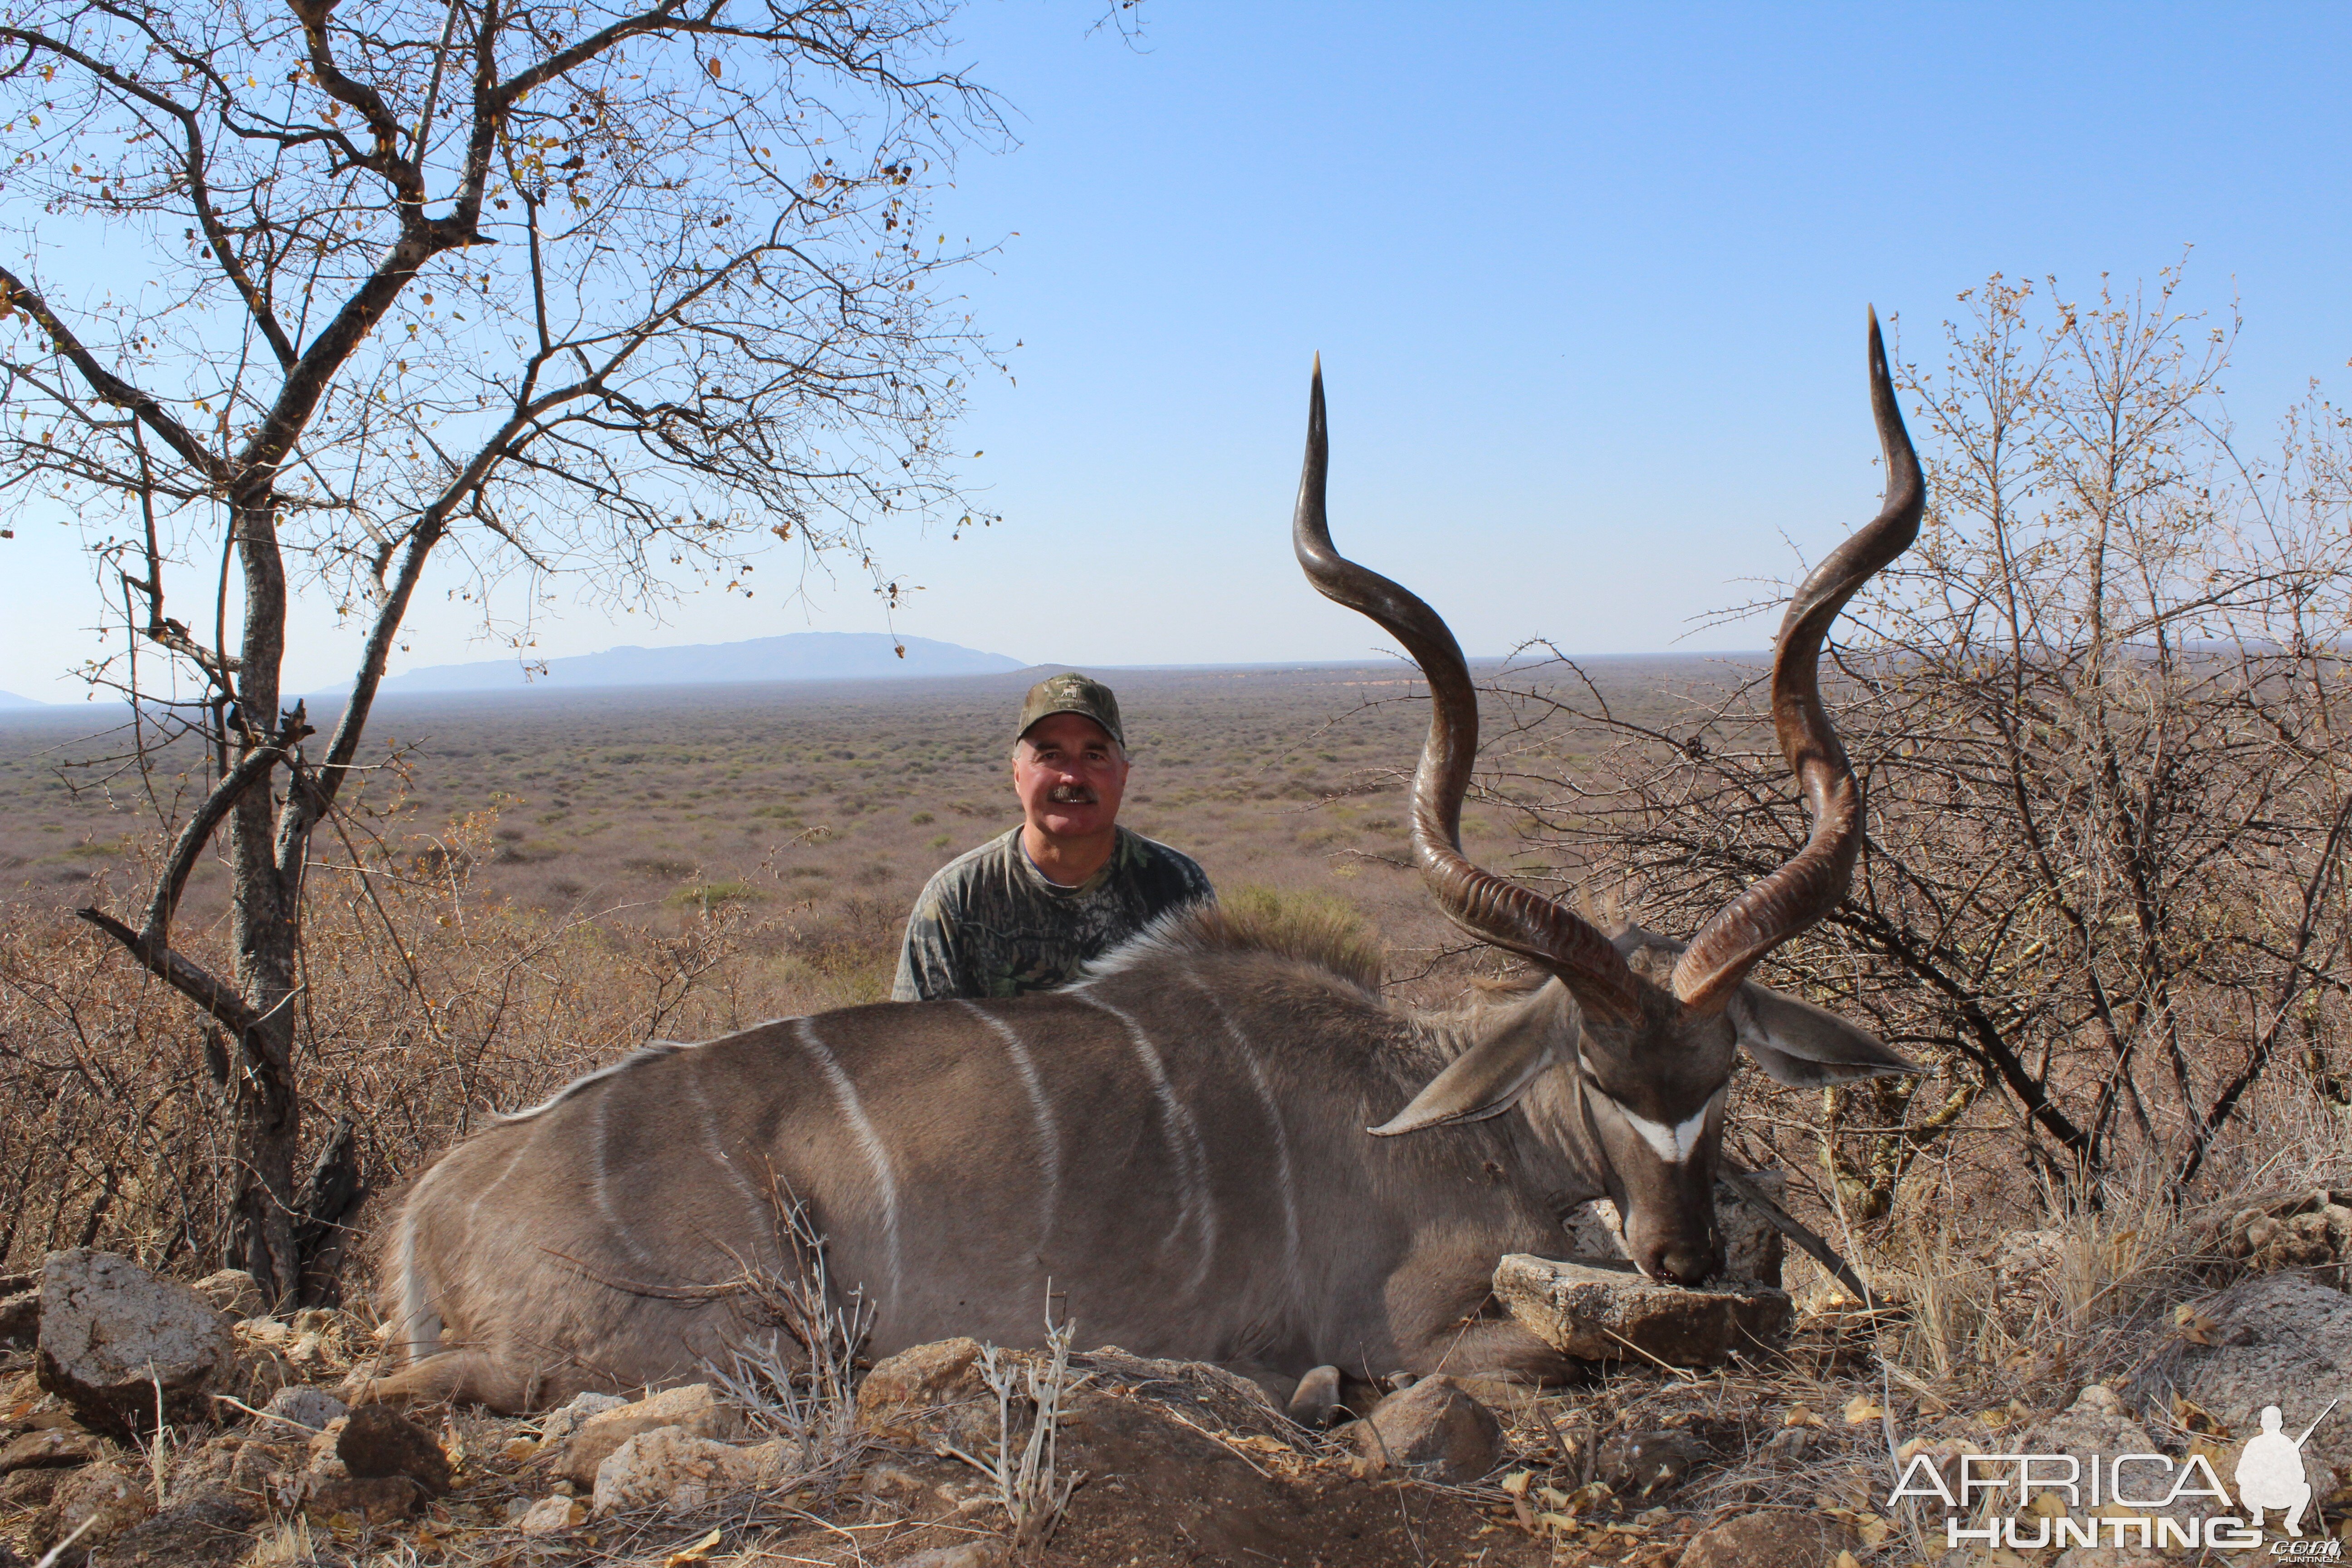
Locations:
column 407, row 1297
column 427, row 1369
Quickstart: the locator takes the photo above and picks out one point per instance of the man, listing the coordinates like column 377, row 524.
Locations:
column 1026, row 912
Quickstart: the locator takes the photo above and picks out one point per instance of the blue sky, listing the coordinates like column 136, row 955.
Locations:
column 1588, row 282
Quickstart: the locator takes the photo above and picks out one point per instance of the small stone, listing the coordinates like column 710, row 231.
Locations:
column 378, row 1440
column 964, row 1554
column 1604, row 1313
column 30, row 1488
column 693, row 1407
column 1434, row 1429
column 110, row 1498
column 1768, row 1539
column 565, row 1420
column 515, row 1450
column 379, row 1499
column 20, row 1315
column 1650, row 1464
column 112, row 1335
column 310, row 1409
column 2098, row 1399
column 208, row 1530
column 673, row 1469
column 52, row 1447
column 234, row 1293
column 553, row 1516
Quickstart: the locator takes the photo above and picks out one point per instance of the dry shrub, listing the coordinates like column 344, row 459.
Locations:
column 1025, row 1473
column 424, row 1004
column 1992, row 1307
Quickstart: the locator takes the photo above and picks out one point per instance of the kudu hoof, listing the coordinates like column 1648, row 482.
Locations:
column 1317, row 1401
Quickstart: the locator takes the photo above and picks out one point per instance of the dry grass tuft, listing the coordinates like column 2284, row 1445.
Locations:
column 793, row 1367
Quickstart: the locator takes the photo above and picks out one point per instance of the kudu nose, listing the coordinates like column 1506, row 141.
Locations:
column 1689, row 1266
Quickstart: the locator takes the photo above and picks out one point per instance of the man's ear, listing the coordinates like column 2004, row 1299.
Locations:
column 1807, row 1046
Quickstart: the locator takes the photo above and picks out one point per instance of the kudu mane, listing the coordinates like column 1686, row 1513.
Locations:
column 1205, row 929
column 1326, row 977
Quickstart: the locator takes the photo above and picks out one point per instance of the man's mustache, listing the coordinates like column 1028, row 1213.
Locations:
column 1071, row 794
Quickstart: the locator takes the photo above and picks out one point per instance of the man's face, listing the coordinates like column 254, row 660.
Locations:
column 1069, row 776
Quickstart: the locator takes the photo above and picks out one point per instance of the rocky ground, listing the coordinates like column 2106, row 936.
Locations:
column 1762, row 1455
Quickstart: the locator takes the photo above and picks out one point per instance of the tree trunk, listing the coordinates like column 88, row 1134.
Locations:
column 265, row 1119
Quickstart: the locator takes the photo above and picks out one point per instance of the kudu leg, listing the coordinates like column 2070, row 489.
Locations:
column 1496, row 1348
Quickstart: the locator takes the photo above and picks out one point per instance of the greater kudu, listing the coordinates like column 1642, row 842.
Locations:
column 1178, row 1141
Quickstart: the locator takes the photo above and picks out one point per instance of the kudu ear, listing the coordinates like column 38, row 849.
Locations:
column 1485, row 1080
column 1805, row 1046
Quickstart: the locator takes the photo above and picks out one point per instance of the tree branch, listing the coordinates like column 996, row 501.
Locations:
column 2314, row 895
column 113, row 388
column 193, row 167
column 251, row 770
column 191, row 980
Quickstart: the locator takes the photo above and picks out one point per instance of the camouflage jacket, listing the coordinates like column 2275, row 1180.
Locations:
column 990, row 924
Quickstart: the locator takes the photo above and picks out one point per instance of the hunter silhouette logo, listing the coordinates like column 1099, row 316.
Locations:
column 2269, row 1472
column 2125, row 1499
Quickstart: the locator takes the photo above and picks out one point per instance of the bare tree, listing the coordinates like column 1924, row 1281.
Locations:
column 2100, row 713
column 621, row 288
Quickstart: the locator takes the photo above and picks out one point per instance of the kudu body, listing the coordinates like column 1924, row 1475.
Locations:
column 1179, row 1144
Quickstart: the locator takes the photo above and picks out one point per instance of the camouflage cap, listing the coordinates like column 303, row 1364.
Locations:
column 1072, row 694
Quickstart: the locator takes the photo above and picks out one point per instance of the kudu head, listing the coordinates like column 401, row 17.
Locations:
column 1660, row 1024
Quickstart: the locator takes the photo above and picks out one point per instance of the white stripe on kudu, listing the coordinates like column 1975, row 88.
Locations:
column 1049, row 1138
column 473, row 1209
column 1195, row 1204
column 603, row 1200
column 870, row 1144
column 718, row 1156
column 1281, row 1135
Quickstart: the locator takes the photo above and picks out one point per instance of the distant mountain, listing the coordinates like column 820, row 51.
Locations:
column 798, row 655
column 10, row 700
